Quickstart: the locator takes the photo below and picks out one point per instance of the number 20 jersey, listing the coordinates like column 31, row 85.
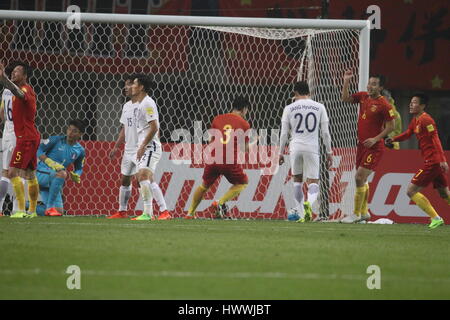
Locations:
column 303, row 118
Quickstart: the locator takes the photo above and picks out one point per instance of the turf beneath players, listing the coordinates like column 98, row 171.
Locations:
column 204, row 259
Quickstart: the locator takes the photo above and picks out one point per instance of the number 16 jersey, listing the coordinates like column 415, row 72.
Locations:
column 6, row 104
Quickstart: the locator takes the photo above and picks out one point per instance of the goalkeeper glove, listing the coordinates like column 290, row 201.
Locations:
column 389, row 143
column 75, row 177
column 54, row 165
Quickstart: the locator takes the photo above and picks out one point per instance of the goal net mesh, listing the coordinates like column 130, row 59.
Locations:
column 79, row 73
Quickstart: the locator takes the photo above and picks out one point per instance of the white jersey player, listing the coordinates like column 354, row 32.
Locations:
column 129, row 164
column 147, row 113
column 8, row 144
column 149, row 147
column 302, row 120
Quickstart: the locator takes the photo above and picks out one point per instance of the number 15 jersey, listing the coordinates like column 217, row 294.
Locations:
column 303, row 119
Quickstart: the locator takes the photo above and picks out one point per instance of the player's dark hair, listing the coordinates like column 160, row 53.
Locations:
column 27, row 69
column 79, row 124
column 132, row 76
column 381, row 79
column 302, row 88
column 240, row 102
column 422, row 97
column 146, row 82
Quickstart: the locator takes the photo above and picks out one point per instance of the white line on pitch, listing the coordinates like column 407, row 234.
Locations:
column 231, row 275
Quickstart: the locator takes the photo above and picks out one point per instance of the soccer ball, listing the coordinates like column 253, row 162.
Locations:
column 293, row 215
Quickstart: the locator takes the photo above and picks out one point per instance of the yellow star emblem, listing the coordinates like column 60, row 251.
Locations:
column 436, row 82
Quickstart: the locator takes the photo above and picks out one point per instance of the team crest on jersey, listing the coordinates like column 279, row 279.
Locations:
column 373, row 108
column 430, row 128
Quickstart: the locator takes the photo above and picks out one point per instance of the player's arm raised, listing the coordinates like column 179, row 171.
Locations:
column 8, row 84
column 345, row 96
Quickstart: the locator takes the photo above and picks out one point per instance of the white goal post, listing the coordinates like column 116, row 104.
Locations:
column 198, row 63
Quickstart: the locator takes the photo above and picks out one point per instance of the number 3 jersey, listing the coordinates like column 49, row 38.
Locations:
column 302, row 119
column 6, row 105
column 229, row 124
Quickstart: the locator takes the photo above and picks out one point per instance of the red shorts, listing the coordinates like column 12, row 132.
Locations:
column 430, row 173
column 233, row 173
column 368, row 157
column 24, row 154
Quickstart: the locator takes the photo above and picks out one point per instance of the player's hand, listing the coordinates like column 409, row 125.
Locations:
column 75, row 177
column 444, row 166
column 140, row 153
column 113, row 152
column 281, row 160
column 369, row 142
column 54, row 165
column 389, row 143
column 348, row 75
column 329, row 160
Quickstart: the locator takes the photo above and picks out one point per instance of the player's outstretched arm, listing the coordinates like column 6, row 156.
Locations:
column 8, row 84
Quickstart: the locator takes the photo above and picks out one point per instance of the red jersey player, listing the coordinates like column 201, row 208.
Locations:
column 375, row 121
column 435, row 165
column 227, row 165
column 23, row 161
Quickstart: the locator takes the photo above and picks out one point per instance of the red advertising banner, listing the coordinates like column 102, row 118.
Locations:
column 411, row 47
column 267, row 195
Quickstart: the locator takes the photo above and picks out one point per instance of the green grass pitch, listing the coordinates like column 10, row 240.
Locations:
column 220, row 259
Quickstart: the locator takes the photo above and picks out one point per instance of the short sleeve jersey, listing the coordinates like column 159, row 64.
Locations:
column 229, row 124
column 373, row 113
column 147, row 111
column 24, row 115
column 128, row 120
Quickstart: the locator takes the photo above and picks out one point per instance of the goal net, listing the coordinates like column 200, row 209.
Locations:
column 79, row 73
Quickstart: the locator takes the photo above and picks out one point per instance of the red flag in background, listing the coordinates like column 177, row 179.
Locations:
column 411, row 49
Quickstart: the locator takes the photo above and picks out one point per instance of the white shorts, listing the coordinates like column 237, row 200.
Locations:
column 7, row 151
column 129, row 164
column 306, row 163
column 151, row 157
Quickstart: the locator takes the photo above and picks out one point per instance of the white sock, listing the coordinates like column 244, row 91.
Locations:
column 157, row 193
column 147, row 197
column 313, row 193
column 124, row 196
column 298, row 196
